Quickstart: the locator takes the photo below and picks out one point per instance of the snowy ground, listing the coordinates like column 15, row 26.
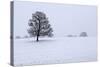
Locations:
column 54, row 50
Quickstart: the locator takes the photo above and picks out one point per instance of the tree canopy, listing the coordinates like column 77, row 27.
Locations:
column 39, row 25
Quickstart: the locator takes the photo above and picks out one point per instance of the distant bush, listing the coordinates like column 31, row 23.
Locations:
column 26, row 36
column 74, row 35
column 18, row 37
column 71, row 35
column 83, row 34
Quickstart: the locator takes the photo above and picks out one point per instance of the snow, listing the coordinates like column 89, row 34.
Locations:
column 54, row 50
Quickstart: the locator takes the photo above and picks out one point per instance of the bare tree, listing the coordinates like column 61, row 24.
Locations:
column 39, row 25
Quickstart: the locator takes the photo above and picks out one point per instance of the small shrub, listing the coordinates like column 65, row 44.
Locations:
column 69, row 35
column 26, row 36
column 18, row 37
column 83, row 34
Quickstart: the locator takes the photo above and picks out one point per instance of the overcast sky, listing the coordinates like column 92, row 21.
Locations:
column 64, row 19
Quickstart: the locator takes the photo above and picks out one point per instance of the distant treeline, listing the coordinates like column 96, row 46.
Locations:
column 82, row 34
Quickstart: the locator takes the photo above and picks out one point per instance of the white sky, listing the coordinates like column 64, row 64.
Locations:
column 64, row 19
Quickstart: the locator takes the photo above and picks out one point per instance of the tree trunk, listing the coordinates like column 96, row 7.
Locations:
column 38, row 32
column 37, row 38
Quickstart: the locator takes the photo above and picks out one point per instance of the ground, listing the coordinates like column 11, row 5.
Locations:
column 54, row 50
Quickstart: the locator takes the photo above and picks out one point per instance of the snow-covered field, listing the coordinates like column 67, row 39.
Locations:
column 54, row 50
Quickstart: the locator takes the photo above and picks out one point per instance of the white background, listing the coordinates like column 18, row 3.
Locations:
column 5, row 32
column 64, row 19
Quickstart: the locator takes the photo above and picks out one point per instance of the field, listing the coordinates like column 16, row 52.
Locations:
column 54, row 50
